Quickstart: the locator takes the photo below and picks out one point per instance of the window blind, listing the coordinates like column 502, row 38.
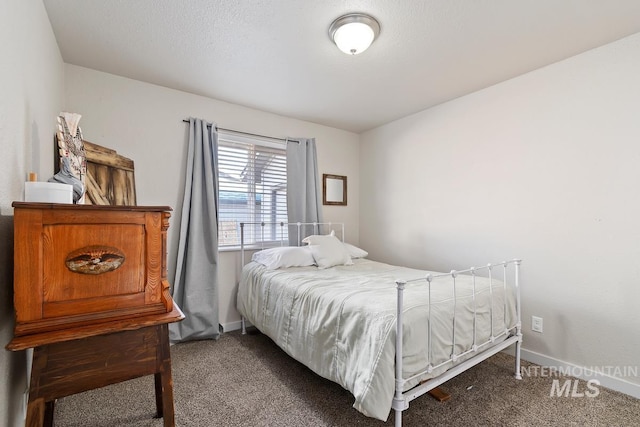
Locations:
column 252, row 176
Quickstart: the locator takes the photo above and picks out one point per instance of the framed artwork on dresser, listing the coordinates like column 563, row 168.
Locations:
column 110, row 177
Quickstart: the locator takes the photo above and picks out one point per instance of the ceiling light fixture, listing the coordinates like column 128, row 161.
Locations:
column 353, row 33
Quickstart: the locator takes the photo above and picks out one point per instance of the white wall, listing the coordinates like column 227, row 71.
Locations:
column 31, row 88
column 544, row 167
column 144, row 122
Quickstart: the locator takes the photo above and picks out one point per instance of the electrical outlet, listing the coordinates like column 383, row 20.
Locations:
column 536, row 324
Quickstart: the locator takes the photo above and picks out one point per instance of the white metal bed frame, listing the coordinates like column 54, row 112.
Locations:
column 481, row 351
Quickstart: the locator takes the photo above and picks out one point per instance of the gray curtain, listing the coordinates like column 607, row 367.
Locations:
column 304, row 193
column 195, row 287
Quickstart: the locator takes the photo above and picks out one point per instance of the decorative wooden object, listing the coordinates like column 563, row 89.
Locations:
column 439, row 394
column 92, row 299
column 81, row 264
column 110, row 177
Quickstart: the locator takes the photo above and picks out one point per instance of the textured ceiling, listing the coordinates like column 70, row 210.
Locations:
column 276, row 56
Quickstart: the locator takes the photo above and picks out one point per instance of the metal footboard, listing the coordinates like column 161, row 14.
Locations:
column 475, row 354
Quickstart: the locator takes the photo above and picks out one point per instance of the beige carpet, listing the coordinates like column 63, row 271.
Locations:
column 248, row 381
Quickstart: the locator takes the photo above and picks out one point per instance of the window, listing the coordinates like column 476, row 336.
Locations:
column 252, row 188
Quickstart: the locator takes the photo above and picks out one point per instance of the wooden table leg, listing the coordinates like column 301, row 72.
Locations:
column 35, row 413
column 40, row 413
column 163, row 380
column 36, row 406
column 157, row 379
column 49, row 408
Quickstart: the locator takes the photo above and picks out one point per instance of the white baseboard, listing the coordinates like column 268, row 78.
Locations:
column 584, row 373
column 234, row 326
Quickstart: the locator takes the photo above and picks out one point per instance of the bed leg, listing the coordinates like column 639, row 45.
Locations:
column 518, row 373
column 399, row 403
column 244, row 327
column 398, row 418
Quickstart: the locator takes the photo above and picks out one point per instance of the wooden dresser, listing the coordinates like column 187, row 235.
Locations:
column 83, row 264
column 91, row 297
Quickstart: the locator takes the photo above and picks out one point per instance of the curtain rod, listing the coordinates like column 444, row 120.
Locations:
column 250, row 134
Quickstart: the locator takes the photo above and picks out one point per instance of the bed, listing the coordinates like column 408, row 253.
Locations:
column 388, row 334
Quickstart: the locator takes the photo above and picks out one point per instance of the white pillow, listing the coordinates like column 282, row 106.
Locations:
column 315, row 239
column 328, row 251
column 355, row 251
column 283, row 257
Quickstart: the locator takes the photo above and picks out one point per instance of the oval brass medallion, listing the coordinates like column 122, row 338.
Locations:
column 94, row 259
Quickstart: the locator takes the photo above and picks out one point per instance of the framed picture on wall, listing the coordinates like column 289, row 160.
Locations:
column 334, row 190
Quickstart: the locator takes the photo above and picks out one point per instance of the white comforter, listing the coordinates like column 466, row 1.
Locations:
column 340, row 322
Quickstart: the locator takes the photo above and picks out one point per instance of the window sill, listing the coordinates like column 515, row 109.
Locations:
column 232, row 249
column 252, row 247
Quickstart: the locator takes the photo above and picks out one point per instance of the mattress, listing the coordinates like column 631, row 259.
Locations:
column 340, row 322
